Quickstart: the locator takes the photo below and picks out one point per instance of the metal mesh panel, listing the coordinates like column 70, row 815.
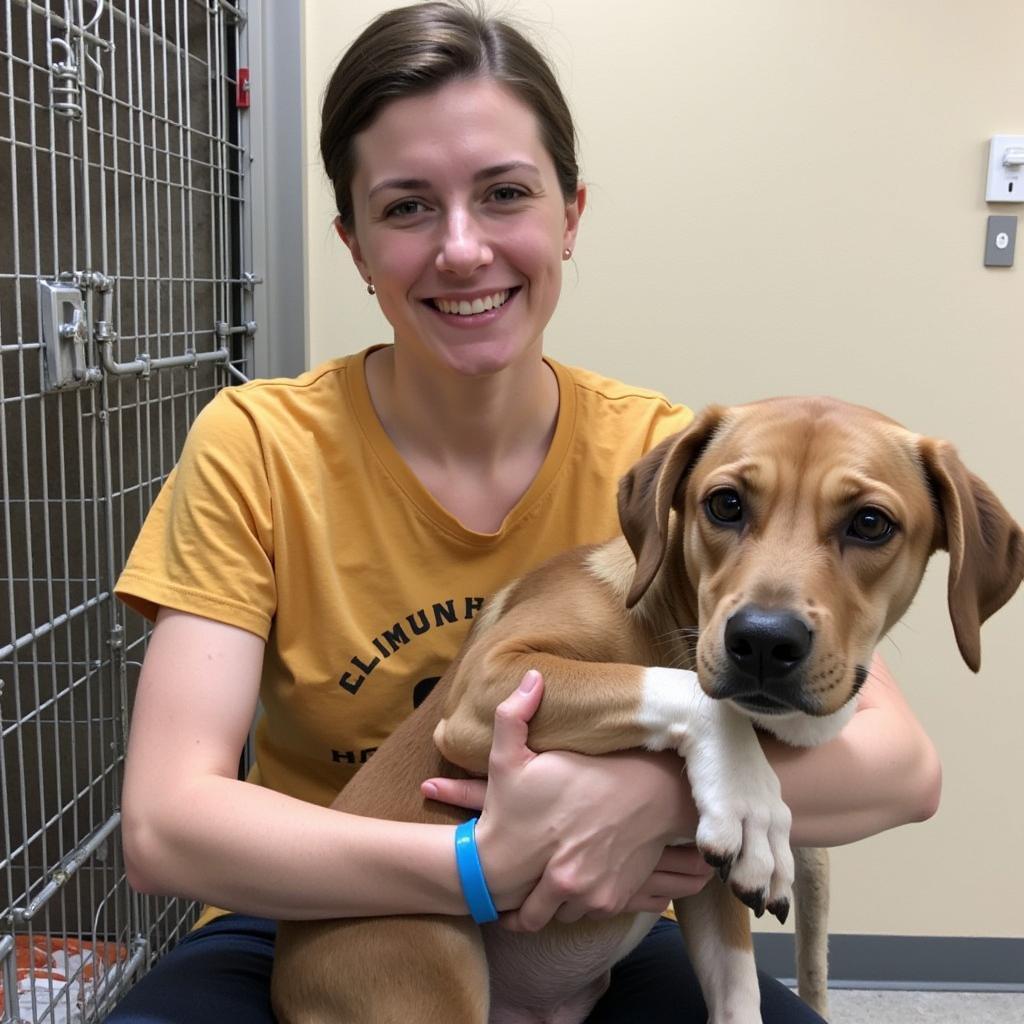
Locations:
column 124, row 306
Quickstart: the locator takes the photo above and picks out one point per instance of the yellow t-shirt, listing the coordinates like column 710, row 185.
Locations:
column 290, row 514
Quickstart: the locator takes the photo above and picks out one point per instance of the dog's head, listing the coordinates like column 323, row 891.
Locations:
column 800, row 529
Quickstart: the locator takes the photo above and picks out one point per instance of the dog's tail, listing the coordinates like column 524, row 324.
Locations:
column 811, row 898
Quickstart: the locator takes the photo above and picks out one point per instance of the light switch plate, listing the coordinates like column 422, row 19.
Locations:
column 1000, row 241
column 1005, row 183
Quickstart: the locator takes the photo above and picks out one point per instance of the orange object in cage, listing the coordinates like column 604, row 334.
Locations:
column 42, row 958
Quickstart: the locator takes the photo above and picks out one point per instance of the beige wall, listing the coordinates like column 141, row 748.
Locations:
column 788, row 197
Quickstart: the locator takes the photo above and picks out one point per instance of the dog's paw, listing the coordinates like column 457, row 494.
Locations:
column 744, row 823
column 747, row 839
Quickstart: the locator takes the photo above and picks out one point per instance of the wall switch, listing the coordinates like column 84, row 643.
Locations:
column 1005, row 170
column 1000, row 240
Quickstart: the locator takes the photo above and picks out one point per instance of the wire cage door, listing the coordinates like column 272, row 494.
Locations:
column 126, row 302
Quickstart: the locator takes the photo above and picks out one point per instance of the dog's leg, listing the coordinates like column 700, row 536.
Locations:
column 353, row 971
column 716, row 928
column 812, row 889
column 597, row 708
column 386, row 970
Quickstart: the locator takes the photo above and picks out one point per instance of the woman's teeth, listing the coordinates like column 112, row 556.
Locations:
column 480, row 305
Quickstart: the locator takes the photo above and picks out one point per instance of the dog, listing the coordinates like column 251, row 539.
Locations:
column 770, row 546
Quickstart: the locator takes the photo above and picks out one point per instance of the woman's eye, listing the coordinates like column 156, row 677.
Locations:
column 507, row 193
column 871, row 525
column 405, row 208
column 724, row 506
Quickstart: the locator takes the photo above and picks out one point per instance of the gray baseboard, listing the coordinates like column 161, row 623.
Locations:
column 945, row 963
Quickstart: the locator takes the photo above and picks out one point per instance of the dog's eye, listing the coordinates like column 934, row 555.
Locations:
column 724, row 506
column 871, row 525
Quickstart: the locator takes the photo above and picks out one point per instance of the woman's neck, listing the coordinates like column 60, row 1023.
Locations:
column 456, row 422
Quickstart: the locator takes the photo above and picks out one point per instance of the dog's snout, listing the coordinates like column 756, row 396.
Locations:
column 766, row 643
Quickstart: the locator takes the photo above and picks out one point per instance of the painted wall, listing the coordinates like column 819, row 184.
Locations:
column 788, row 197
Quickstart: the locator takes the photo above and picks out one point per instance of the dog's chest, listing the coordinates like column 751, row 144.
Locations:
column 557, row 975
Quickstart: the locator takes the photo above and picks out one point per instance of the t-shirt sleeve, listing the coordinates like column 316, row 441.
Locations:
column 207, row 544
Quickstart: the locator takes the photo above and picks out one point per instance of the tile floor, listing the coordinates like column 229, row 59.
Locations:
column 871, row 1006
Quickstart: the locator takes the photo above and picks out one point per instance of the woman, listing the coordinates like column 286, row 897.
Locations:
column 325, row 542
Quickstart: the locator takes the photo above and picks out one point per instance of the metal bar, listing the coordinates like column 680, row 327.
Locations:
column 188, row 307
column 144, row 365
column 21, row 741
column 53, row 819
column 233, row 371
column 10, row 974
column 234, row 11
column 67, row 869
column 48, row 627
column 125, row 972
column 75, row 30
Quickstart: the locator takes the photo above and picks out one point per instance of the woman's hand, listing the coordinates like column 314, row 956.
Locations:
column 566, row 836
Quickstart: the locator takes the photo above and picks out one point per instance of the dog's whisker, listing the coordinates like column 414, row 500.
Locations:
column 682, row 633
column 890, row 639
column 686, row 662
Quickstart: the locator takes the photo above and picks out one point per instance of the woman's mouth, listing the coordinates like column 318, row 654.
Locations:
column 475, row 306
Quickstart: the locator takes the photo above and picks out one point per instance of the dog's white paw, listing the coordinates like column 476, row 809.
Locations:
column 744, row 824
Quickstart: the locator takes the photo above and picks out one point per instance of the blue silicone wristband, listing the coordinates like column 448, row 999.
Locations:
column 471, row 874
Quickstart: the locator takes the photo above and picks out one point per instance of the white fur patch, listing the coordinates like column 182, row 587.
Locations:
column 671, row 699
column 800, row 730
column 743, row 817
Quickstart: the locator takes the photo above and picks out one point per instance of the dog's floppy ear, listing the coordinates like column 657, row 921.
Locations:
column 985, row 545
column 647, row 491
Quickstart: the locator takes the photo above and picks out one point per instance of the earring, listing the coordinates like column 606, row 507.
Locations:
column 567, row 254
column 370, row 290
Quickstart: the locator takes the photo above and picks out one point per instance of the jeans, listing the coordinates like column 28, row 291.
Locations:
column 222, row 973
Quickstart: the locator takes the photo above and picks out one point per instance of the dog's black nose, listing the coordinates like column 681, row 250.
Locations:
column 765, row 643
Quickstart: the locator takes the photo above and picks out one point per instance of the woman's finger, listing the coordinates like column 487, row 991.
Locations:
column 511, row 723
column 686, row 860
column 536, row 911
column 648, row 905
column 467, row 793
column 670, row 886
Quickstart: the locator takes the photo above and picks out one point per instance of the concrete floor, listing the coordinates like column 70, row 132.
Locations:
column 863, row 1006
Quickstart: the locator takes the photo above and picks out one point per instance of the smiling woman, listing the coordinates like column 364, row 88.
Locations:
column 307, row 517
column 459, row 222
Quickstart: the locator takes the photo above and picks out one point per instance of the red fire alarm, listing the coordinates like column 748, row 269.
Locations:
column 242, row 88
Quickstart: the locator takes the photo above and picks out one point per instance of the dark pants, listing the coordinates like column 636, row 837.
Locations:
column 222, row 973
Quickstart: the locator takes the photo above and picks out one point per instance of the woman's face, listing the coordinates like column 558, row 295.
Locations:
column 461, row 225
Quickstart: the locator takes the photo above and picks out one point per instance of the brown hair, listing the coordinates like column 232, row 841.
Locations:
column 413, row 50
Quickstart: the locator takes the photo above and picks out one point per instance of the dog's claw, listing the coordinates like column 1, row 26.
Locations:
column 722, row 862
column 754, row 900
column 779, row 909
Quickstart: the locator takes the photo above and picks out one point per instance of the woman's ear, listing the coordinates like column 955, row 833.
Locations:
column 352, row 244
column 573, row 212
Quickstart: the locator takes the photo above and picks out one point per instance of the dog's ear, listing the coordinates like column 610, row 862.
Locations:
column 648, row 490
column 985, row 545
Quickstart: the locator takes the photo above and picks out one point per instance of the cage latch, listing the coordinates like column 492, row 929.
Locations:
column 65, row 336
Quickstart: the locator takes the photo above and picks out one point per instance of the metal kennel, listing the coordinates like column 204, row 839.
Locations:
column 129, row 294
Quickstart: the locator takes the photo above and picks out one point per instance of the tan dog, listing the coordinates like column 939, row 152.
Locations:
column 788, row 536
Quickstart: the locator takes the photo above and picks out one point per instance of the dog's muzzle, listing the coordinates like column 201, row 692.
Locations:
column 766, row 648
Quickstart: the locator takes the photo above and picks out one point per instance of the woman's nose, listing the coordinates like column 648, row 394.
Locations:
column 463, row 248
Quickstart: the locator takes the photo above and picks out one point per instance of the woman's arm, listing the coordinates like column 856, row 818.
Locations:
column 191, row 828
column 881, row 771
